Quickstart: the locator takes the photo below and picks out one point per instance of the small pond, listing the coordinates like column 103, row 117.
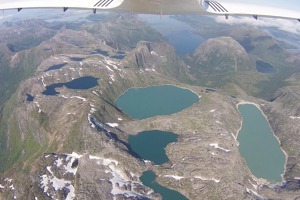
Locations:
column 54, row 67
column 81, row 83
column 264, row 67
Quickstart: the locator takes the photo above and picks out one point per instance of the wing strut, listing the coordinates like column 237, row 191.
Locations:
column 255, row 17
column 65, row 9
column 94, row 11
column 19, row 9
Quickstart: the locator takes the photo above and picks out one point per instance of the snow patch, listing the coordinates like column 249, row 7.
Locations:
column 147, row 69
column 120, row 119
column 11, row 187
column 8, row 180
column 154, row 53
column 44, row 182
column 70, row 159
column 254, row 193
column 253, row 185
column 78, row 97
column 112, row 77
column 1, row 186
column 212, row 110
column 50, row 181
column 109, row 68
column 113, row 125
column 215, row 145
column 116, row 68
column 43, row 81
column 294, row 117
column 175, row 177
column 37, row 104
column 63, row 96
column 95, row 93
column 119, row 179
column 58, row 162
column 207, row 179
column 47, row 74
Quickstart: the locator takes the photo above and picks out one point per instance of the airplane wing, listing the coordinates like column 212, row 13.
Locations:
column 81, row 4
column 200, row 7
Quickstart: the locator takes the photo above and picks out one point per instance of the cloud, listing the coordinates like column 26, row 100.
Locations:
column 281, row 24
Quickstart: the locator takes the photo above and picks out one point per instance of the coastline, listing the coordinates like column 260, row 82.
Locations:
column 242, row 102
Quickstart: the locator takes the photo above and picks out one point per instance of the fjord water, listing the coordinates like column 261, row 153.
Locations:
column 141, row 103
column 258, row 145
column 150, row 145
column 181, row 35
column 148, row 179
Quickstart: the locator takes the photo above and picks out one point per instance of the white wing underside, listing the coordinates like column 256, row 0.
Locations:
column 201, row 7
column 81, row 4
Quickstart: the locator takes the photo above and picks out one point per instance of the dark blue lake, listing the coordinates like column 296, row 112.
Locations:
column 81, row 83
column 101, row 52
column 76, row 59
column 54, row 67
column 120, row 57
column 29, row 97
column 264, row 67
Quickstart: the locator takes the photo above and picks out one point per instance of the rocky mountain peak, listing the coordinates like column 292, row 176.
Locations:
column 222, row 53
column 155, row 56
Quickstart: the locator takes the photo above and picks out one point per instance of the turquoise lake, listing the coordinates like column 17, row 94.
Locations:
column 258, row 145
column 150, row 145
column 148, row 179
column 141, row 103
